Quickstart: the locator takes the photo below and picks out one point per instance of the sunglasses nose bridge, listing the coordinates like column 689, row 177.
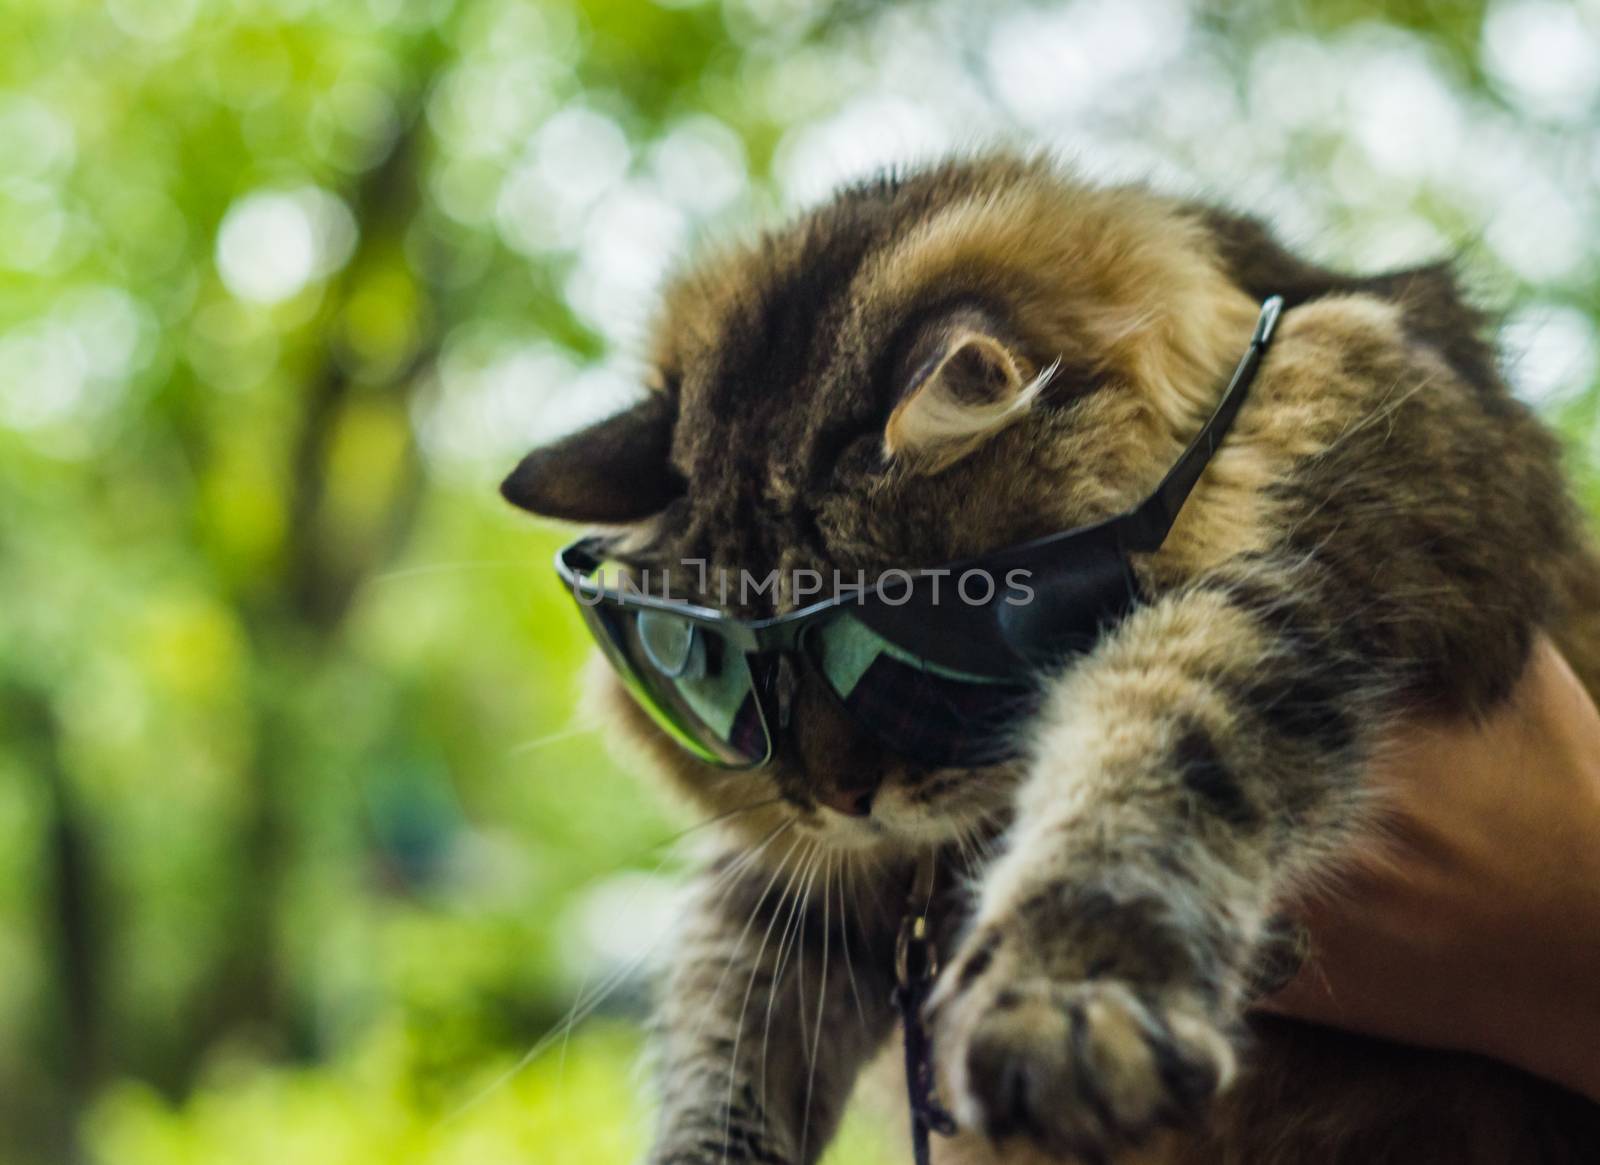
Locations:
column 779, row 672
column 785, row 683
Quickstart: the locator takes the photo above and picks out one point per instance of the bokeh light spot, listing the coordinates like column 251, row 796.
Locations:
column 1544, row 55
column 272, row 244
column 152, row 20
column 1551, row 352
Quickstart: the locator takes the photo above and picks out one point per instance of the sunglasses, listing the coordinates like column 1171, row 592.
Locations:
column 934, row 672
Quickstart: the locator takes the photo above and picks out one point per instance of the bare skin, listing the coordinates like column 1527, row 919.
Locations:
column 1475, row 924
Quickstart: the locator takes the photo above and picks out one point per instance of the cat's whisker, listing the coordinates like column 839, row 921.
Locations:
column 585, row 1004
column 581, row 1009
column 822, row 994
column 721, row 885
column 797, row 949
column 718, row 819
column 539, row 742
column 792, row 928
column 427, row 568
column 976, row 846
column 874, row 875
column 844, row 938
column 755, row 970
column 755, row 913
column 744, row 861
column 742, row 864
column 963, row 848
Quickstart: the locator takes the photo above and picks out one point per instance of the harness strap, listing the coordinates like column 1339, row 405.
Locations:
column 916, row 964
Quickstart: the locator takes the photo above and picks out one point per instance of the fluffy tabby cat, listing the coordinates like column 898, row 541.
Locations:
column 1383, row 532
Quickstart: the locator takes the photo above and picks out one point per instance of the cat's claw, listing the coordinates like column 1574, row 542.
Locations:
column 1081, row 1069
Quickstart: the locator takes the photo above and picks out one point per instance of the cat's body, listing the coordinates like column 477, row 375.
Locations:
column 1382, row 533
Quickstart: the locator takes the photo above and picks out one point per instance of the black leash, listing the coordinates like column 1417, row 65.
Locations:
column 915, row 965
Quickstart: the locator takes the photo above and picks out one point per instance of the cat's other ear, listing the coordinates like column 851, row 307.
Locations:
column 617, row 470
column 956, row 396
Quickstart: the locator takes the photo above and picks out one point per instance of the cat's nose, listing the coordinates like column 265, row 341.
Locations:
column 852, row 802
column 841, row 768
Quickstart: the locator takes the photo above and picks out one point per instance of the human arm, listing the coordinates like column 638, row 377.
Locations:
column 1471, row 920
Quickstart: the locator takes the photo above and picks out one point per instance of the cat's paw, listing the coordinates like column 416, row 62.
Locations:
column 1082, row 1069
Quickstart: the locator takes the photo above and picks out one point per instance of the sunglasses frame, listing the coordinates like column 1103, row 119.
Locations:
column 983, row 640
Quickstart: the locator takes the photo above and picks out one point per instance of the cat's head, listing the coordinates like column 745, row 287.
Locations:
column 926, row 368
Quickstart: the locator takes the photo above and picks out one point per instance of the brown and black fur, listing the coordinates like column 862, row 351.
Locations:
column 1383, row 532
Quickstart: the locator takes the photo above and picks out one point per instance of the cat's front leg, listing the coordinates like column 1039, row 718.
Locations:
column 1183, row 774
column 777, row 994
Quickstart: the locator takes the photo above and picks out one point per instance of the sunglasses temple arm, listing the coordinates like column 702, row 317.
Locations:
column 1145, row 527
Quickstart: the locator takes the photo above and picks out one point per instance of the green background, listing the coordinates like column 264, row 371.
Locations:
column 303, row 844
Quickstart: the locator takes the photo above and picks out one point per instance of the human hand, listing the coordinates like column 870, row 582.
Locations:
column 1472, row 921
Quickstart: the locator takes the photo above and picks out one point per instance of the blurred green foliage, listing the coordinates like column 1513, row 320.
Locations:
column 301, row 845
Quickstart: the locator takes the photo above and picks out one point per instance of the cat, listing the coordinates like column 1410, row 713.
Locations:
column 1383, row 532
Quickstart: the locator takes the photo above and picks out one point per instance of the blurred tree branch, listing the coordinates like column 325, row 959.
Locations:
column 296, row 629
column 73, row 936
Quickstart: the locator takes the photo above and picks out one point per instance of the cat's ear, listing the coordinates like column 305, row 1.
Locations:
column 617, row 470
column 956, row 397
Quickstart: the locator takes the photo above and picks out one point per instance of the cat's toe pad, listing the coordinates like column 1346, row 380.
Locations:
column 1080, row 1069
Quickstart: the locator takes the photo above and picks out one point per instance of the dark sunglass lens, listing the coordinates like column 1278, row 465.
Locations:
column 695, row 686
column 930, row 714
column 669, row 642
column 715, row 692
